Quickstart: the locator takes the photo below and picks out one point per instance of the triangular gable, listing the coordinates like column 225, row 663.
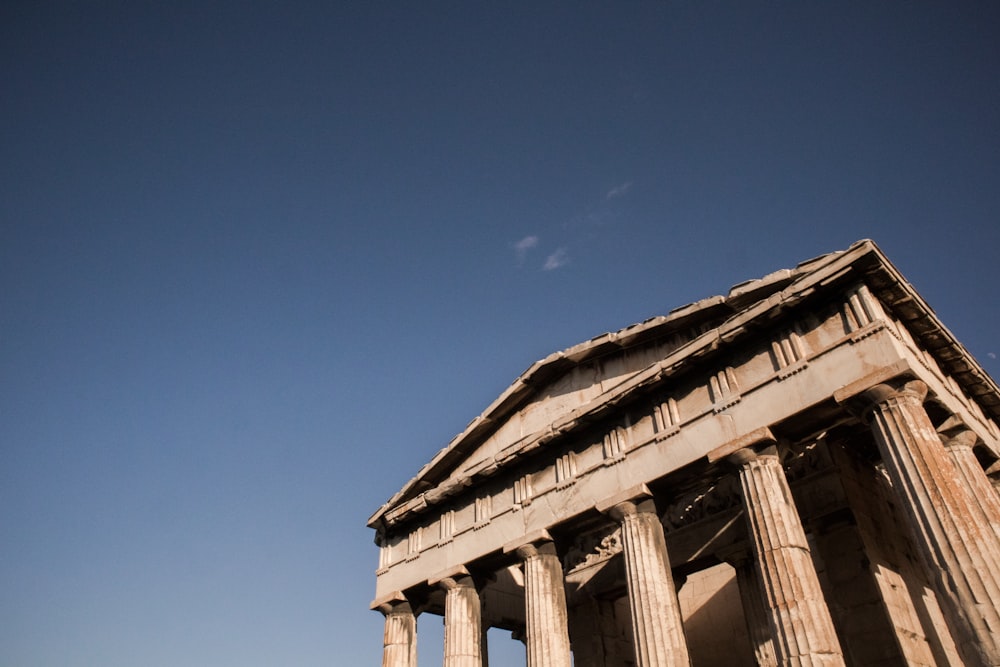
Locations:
column 555, row 393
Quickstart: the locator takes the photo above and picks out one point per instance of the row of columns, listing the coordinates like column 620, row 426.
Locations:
column 948, row 515
column 787, row 616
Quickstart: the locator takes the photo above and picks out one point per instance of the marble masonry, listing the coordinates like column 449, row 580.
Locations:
column 801, row 472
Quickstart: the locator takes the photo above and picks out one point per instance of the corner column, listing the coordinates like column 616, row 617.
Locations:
column 399, row 641
column 545, row 604
column 801, row 627
column 953, row 537
column 463, row 620
column 657, row 627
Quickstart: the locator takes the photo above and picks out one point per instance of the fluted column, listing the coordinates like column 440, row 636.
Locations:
column 801, row 627
column 463, row 627
column 399, row 641
column 545, row 606
column 956, row 543
column 959, row 447
column 657, row 627
column 754, row 612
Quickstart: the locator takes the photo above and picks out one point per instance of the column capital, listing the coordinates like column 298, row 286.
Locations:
column 531, row 550
column 880, row 393
column 894, row 373
column 532, row 544
column 630, row 508
column 761, row 437
column 742, row 457
column 454, row 578
column 395, row 602
column 627, row 503
column 963, row 439
column 862, row 401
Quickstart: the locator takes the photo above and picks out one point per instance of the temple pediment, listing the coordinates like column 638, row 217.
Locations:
column 568, row 389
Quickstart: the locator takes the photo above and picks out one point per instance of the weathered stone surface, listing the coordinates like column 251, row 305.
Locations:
column 545, row 607
column 802, row 630
column 656, row 618
column 399, row 644
column 958, row 545
column 967, row 466
column 463, row 629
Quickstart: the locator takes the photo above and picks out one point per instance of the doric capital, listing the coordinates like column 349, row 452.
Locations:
column 632, row 501
column 881, row 393
column 891, row 374
column 743, row 447
column 533, row 544
column 963, row 439
column 741, row 457
column 456, row 577
column 860, row 397
column 534, row 549
column 629, row 508
column 394, row 603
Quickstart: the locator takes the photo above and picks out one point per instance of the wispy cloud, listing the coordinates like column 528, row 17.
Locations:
column 558, row 259
column 991, row 355
column 618, row 191
column 522, row 247
column 583, row 227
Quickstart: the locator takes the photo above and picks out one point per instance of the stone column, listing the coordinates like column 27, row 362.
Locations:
column 959, row 447
column 956, row 543
column 754, row 612
column 463, row 626
column 545, row 606
column 657, row 628
column 399, row 642
column 801, row 627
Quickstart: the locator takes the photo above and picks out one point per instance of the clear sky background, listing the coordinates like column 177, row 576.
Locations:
column 260, row 261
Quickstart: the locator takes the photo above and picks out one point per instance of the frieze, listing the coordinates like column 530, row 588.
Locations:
column 808, row 460
column 593, row 548
column 703, row 503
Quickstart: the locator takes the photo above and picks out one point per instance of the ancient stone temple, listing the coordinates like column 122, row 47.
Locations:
column 797, row 473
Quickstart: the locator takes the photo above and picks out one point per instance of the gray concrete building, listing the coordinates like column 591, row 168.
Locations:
column 796, row 473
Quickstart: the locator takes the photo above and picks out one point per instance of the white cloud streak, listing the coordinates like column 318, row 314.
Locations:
column 522, row 247
column 556, row 260
column 618, row 191
column 526, row 244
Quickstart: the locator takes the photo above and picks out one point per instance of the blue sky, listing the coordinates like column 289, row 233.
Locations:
column 260, row 261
